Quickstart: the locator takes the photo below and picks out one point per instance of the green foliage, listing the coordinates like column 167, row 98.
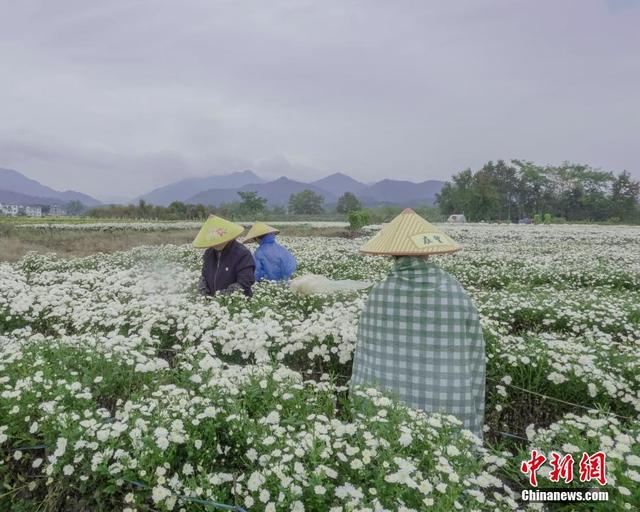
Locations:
column 385, row 213
column 75, row 207
column 511, row 191
column 547, row 218
column 359, row 219
column 179, row 208
column 537, row 219
column 252, row 203
column 624, row 194
column 279, row 211
column 306, row 202
column 175, row 211
column 348, row 203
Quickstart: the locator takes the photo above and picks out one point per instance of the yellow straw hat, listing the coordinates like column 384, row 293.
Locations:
column 259, row 229
column 216, row 230
column 410, row 235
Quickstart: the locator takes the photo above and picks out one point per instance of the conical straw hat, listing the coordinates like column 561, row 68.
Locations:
column 410, row 235
column 216, row 230
column 259, row 229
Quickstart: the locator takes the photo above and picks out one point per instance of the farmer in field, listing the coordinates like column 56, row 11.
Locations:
column 419, row 336
column 273, row 262
column 227, row 265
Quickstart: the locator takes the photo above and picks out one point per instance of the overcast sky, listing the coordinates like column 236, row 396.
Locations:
column 116, row 97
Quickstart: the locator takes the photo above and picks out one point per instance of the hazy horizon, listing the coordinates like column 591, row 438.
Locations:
column 115, row 99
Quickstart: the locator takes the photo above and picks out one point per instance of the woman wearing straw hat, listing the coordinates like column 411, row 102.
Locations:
column 227, row 265
column 273, row 262
column 419, row 334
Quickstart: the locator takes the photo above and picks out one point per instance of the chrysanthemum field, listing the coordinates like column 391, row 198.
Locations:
column 122, row 389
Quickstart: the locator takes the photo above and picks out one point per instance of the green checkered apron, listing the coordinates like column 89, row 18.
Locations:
column 419, row 337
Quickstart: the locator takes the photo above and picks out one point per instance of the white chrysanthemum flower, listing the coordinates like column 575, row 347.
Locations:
column 405, row 438
column 160, row 493
column 61, row 447
column 356, row 464
column 452, row 451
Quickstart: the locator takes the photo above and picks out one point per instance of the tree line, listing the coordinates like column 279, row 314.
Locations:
column 516, row 190
column 499, row 191
column 249, row 205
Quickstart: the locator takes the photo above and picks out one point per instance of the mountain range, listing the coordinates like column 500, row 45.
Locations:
column 278, row 191
column 183, row 190
column 16, row 188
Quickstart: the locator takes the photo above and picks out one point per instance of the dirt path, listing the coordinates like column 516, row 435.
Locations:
column 16, row 242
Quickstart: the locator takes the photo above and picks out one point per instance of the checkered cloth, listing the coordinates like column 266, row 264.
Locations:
column 420, row 338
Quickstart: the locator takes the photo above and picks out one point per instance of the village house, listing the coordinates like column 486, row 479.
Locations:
column 14, row 210
column 57, row 211
column 11, row 210
column 33, row 211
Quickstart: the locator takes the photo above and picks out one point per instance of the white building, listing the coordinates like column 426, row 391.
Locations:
column 33, row 211
column 9, row 209
column 57, row 211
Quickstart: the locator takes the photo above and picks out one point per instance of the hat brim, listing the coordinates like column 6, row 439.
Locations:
column 393, row 253
column 217, row 242
column 232, row 234
column 254, row 237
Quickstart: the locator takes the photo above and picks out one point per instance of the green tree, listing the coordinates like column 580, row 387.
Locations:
column 251, row 203
column 306, row 202
column 574, row 192
column 358, row 219
column 506, row 182
column 625, row 194
column 144, row 210
column 347, row 203
column 75, row 207
column 534, row 189
column 579, row 192
column 196, row 211
column 178, row 208
column 457, row 197
column 278, row 211
column 485, row 203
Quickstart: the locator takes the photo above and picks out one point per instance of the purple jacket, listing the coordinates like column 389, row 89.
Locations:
column 227, row 270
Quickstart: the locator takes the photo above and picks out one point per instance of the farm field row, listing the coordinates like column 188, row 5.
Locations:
column 121, row 388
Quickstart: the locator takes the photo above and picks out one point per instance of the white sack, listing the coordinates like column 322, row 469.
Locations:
column 310, row 284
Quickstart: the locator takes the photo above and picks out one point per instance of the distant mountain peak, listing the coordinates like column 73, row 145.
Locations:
column 14, row 181
column 339, row 183
column 188, row 187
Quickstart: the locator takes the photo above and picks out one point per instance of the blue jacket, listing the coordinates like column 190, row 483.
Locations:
column 273, row 262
